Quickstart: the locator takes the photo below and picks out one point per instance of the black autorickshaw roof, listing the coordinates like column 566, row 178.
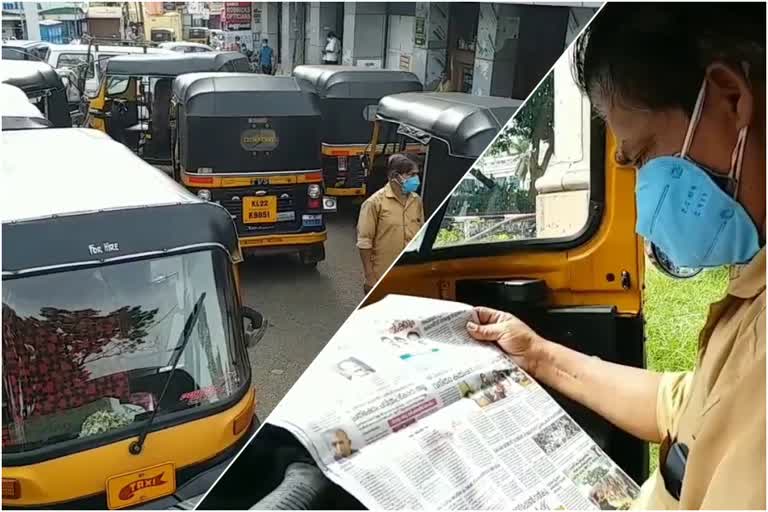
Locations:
column 465, row 122
column 173, row 64
column 58, row 203
column 355, row 82
column 30, row 76
column 241, row 95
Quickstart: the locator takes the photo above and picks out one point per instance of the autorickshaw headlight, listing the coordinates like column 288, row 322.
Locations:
column 314, row 191
column 204, row 194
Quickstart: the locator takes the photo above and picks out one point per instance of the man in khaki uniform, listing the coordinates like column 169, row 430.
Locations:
column 389, row 219
column 682, row 88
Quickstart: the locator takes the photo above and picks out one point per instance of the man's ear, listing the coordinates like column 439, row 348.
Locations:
column 731, row 91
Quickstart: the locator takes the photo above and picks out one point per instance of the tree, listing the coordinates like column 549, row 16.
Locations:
column 533, row 124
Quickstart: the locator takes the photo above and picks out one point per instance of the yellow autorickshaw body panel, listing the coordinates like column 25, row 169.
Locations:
column 579, row 276
column 86, row 473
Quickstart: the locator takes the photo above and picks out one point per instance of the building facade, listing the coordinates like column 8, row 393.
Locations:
column 498, row 49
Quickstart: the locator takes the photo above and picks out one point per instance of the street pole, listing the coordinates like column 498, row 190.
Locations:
column 32, row 20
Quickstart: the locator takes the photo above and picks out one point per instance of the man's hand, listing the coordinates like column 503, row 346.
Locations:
column 513, row 336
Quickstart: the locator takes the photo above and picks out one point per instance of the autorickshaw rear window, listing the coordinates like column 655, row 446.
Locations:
column 533, row 183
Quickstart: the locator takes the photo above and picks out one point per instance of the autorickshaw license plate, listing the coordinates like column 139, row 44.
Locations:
column 130, row 489
column 258, row 210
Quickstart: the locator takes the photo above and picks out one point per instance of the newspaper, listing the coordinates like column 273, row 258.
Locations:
column 405, row 411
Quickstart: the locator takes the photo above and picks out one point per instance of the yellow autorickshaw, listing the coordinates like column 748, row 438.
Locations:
column 348, row 101
column 251, row 142
column 544, row 227
column 126, row 379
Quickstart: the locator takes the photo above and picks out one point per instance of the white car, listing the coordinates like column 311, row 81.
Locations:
column 73, row 55
column 185, row 47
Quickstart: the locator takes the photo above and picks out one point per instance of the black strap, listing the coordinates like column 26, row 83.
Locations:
column 673, row 468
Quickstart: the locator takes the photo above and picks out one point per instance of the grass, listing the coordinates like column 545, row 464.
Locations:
column 675, row 312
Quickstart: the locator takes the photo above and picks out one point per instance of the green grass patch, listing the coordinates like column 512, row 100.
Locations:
column 675, row 312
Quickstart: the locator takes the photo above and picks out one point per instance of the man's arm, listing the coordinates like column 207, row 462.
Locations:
column 366, row 234
column 623, row 395
column 627, row 397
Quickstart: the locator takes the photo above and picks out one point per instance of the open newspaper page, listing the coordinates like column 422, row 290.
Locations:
column 405, row 411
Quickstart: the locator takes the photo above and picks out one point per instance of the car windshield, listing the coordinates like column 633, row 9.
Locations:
column 86, row 352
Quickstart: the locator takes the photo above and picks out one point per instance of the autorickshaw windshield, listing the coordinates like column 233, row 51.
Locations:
column 87, row 353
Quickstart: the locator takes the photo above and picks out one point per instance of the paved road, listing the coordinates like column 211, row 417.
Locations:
column 304, row 308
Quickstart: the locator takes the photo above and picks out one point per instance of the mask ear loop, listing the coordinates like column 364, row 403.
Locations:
column 695, row 116
column 737, row 158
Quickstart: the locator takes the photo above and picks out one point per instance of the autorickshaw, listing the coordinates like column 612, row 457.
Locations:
column 252, row 143
column 577, row 276
column 42, row 85
column 126, row 378
column 455, row 128
column 133, row 100
column 197, row 35
column 162, row 35
column 576, row 279
column 18, row 113
column 349, row 97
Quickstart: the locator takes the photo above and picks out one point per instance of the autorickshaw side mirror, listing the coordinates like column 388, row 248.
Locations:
column 254, row 325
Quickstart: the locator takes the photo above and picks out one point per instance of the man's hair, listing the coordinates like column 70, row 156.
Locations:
column 331, row 34
column 400, row 163
column 654, row 55
column 237, row 38
column 265, row 40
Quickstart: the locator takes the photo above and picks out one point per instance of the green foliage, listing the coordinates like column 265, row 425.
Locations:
column 532, row 123
column 474, row 198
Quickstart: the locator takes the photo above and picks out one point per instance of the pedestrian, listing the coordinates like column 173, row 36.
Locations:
column 265, row 57
column 238, row 46
column 682, row 88
column 332, row 50
column 446, row 84
column 389, row 219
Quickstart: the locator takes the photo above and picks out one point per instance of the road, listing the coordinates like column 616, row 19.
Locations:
column 304, row 308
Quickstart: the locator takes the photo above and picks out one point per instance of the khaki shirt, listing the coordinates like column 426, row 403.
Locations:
column 387, row 224
column 718, row 410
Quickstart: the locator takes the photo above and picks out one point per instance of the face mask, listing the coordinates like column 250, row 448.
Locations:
column 690, row 216
column 411, row 184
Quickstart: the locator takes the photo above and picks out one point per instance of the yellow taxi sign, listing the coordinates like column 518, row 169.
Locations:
column 130, row 489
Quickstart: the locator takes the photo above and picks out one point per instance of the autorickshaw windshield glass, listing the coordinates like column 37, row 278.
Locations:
column 117, row 84
column 86, row 353
column 534, row 180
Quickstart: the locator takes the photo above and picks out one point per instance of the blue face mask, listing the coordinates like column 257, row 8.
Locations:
column 411, row 184
column 682, row 210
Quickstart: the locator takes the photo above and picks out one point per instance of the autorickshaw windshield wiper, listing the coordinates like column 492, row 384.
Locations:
column 186, row 335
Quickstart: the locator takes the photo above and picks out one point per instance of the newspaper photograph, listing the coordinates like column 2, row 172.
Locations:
column 404, row 410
